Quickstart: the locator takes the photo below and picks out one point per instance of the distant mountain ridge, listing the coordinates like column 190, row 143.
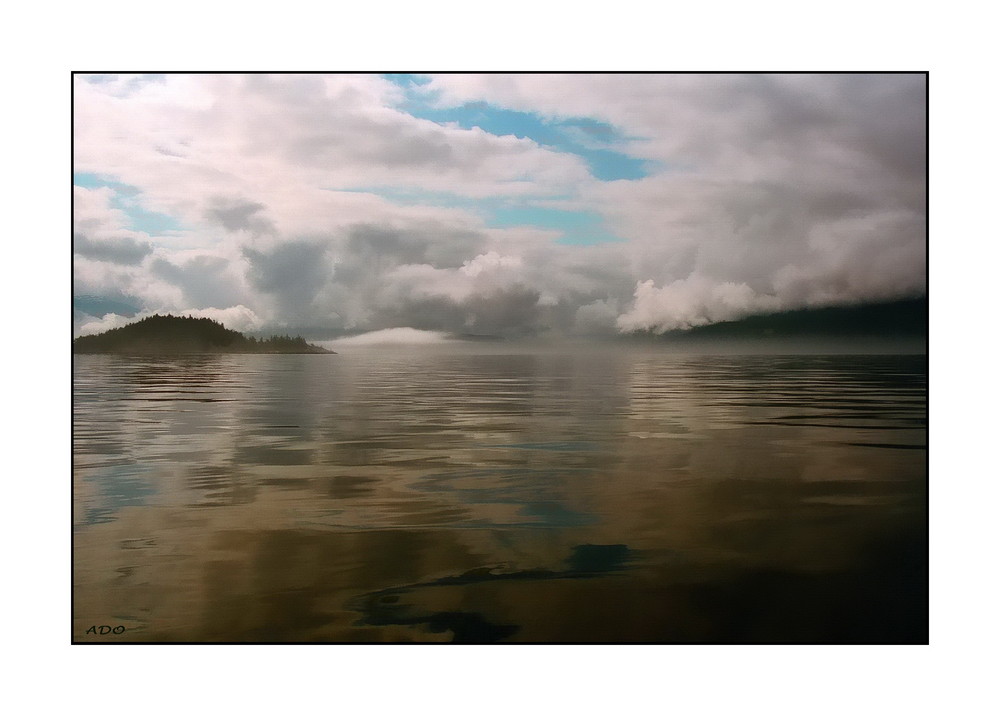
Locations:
column 906, row 318
column 176, row 335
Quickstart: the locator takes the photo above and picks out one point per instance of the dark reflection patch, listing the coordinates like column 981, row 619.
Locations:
column 343, row 487
column 388, row 607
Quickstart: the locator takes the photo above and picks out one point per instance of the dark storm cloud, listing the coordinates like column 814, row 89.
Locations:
column 510, row 312
column 205, row 280
column 239, row 214
column 429, row 277
column 435, row 244
column 122, row 250
column 370, row 277
column 883, row 116
column 292, row 273
column 428, row 313
column 889, row 120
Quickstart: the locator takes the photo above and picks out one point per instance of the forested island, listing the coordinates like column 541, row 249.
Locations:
column 175, row 335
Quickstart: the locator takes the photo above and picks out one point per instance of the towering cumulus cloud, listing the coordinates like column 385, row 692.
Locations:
column 489, row 204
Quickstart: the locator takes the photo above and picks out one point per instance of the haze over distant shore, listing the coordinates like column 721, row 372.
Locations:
column 889, row 327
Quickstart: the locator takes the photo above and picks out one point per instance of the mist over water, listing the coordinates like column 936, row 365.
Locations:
column 499, row 492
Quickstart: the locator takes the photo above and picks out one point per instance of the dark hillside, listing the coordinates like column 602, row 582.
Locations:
column 904, row 318
column 156, row 335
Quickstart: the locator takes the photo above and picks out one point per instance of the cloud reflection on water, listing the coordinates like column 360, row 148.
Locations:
column 282, row 489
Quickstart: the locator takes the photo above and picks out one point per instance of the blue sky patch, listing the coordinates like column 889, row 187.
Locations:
column 579, row 228
column 132, row 84
column 596, row 142
column 90, row 181
column 421, row 197
column 128, row 199
column 407, row 79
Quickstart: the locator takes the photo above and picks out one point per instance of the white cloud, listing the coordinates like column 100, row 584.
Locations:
column 596, row 317
column 488, row 262
column 190, row 138
column 765, row 192
column 236, row 318
column 105, row 323
column 690, row 302
column 93, row 213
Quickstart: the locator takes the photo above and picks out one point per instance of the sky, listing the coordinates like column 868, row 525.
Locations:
column 514, row 205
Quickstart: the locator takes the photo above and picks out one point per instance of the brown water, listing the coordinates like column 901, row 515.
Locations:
column 456, row 495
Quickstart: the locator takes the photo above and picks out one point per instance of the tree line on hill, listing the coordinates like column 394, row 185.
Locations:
column 184, row 334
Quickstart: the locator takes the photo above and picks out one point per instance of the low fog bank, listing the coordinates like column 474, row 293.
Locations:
column 893, row 327
column 575, row 346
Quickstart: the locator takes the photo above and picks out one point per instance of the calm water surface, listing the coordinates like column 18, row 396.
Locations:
column 456, row 495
